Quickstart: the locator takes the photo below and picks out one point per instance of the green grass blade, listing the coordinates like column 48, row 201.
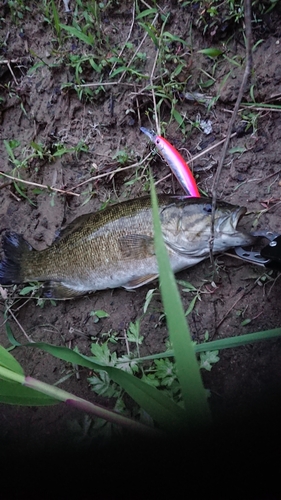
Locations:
column 151, row 32
column 9, row 332
column 88, row 39
column 230, row 342
column 17, row 389
column 146, row 12
column 193, row 391
column 56, row 19
column 261, row 105
column 8, row 361
column 218, row 345
column 16, row 394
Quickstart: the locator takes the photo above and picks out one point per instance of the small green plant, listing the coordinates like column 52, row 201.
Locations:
column 18, row 10
column 122, row 156
column 34, row 290
column 217, row 17
column 97, row 315
column 33, row 157
column 250, row 119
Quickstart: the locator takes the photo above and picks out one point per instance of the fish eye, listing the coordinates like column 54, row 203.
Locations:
column 157, row 141
column 208, row 208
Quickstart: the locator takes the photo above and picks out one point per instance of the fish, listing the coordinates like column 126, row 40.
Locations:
column 175, row 161
column 114, row 247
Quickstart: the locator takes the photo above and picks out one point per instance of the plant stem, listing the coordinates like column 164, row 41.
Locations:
column 72, row 400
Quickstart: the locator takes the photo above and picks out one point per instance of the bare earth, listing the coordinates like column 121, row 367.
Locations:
column 35, row 108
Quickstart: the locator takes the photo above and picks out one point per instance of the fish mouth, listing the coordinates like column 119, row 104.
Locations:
column 228, row 223
column 229, row 227
column 236, row 216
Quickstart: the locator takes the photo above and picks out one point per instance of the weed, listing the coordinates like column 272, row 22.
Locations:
column 122, row 156
column 196, row 292
column 18, row 10
column 160, row 373
column 250, row 119
column 217, row 18
column 30, row 158
column 97, row 315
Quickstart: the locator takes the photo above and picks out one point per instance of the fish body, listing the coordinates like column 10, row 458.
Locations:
column 115, row 247
column 175, row 161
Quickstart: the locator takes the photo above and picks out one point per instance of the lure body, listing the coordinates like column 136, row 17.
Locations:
column 175, row 161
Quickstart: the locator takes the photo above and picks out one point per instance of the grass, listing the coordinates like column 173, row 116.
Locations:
column 83, row 45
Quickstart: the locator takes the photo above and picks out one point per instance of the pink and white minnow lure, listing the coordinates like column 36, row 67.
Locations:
column 175, row 161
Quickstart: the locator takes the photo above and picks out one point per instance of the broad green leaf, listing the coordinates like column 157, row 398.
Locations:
column 177, row 116
column 8, row 361
column 99, row 314
column 16, row 394
column 37, row 147
column 26, row 290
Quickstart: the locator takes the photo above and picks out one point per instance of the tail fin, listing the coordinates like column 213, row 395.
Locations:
column 15, row 247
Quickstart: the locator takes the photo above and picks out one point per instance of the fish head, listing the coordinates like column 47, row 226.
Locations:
column 227, row 232
column 186, row 227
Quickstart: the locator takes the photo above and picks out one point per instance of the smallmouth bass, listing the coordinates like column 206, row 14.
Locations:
column 115, row 247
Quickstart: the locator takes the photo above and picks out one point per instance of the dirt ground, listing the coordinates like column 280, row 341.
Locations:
column 37, row 109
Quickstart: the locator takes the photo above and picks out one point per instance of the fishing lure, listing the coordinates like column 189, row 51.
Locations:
column 175, row 161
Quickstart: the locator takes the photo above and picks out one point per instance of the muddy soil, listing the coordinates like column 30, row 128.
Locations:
column 38, row 108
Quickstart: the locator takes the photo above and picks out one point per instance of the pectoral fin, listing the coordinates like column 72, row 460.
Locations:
column 140, row 281
column 136, row 246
